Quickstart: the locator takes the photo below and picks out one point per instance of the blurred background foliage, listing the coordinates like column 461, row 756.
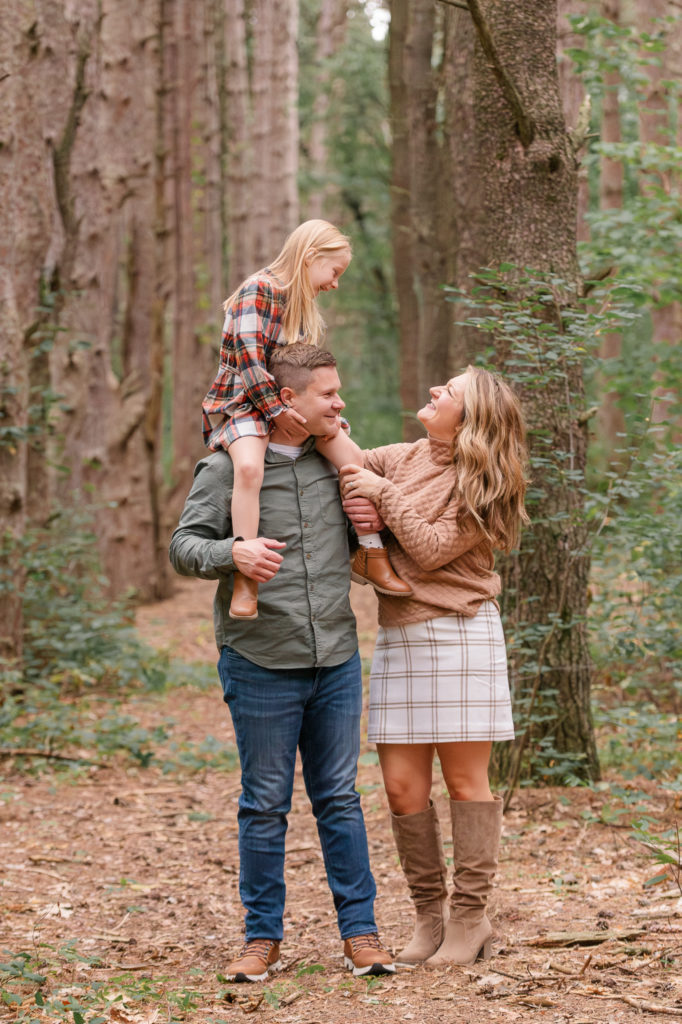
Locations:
column 81, row 646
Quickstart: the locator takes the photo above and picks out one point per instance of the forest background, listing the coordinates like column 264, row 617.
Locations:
column 509, row 174
column 509, row 177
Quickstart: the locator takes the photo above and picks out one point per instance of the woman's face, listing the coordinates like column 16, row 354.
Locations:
column 443, row 415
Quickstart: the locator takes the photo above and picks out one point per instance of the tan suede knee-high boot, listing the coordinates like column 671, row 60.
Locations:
column 476, row 828
column 420, row 848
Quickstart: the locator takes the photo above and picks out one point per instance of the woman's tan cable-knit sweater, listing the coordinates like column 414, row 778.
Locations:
column 451, row 570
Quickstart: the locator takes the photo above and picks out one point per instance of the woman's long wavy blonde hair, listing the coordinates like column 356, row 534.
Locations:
column 491, row 459
column 302, row 317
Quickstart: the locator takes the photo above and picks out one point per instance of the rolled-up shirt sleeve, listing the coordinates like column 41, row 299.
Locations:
column 202, row 543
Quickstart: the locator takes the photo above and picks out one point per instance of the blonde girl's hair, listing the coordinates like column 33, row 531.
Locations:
column 491, row 458
column 302, row 320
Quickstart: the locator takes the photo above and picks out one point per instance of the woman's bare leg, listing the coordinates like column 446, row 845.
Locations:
column 465, row 769
column 476, row 826
column 407, row 771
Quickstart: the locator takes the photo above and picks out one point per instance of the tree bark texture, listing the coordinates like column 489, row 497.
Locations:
column 422, row 197
column 274, row 125
column 260, row 131
column 329, row 37
column 123, row 163
column 529, row 195
column 193, row 174
column 573, row 96
column 27, row 225
column 661, row 124
column 610, row 419
column 236, row 125
column 103, row 286
column 485, row 173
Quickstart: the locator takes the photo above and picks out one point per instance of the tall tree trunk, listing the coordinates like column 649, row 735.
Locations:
column 42, row 64
column 329, row 37
column 575, row 103
column 211, row 170
column 661, row 124
column 465, row 158
column 260, row 131
column 183, row 81
column 89, row 274
column 611, row 422
column 529, row 191
column 401, row 181
column 284, row 133
column 237, row 149
column 24, row 222
column 422, row 203
column 194, row 175
column 463, row 179
column 274, row 135
column 514, row 171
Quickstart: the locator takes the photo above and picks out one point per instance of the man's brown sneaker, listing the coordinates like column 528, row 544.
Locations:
column 256, row 959
column 364, row 954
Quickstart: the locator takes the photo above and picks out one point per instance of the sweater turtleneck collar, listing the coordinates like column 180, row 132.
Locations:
column 440, row 452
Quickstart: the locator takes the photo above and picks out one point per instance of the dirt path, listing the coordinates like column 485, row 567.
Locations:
column 121, row 884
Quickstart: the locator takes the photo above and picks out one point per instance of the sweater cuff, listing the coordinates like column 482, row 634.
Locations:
column 383, row 499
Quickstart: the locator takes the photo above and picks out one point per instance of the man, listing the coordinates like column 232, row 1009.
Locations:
column 291, row 678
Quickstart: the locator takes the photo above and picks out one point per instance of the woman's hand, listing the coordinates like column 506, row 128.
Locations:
column 359, row 483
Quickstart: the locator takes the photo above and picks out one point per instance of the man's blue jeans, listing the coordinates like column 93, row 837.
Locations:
column 274, row 712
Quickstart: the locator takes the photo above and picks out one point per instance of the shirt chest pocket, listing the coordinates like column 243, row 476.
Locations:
column 330, row 502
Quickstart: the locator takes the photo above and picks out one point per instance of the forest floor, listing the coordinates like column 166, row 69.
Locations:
column 120, row 890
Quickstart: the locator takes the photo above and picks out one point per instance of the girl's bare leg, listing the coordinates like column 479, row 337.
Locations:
column 248, row 459
column 340, row 450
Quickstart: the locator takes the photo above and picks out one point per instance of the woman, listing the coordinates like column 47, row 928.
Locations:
column 439, row 674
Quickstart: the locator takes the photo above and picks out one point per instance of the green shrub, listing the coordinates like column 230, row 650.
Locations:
column 82, row 659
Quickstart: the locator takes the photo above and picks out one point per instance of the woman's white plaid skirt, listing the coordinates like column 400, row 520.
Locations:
column 441, row 681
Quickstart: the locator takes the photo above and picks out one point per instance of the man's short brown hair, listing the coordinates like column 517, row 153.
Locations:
column 293, row 365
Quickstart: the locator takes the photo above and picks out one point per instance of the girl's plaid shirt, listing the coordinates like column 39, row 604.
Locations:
column 243, row 391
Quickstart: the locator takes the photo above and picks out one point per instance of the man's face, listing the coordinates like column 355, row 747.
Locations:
column 320, row 402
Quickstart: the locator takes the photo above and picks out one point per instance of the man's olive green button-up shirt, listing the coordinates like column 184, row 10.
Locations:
column 304, row 614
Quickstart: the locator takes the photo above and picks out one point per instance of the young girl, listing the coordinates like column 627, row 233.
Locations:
column 275, row 306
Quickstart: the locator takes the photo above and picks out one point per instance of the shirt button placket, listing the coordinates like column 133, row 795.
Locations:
column 307, row 541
